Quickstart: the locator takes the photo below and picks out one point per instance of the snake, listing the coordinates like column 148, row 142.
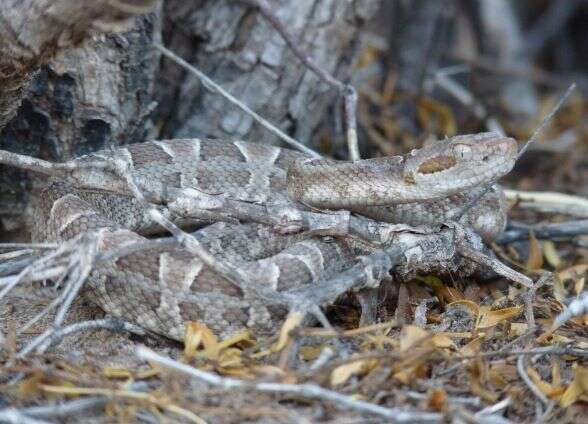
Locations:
column 165, row 287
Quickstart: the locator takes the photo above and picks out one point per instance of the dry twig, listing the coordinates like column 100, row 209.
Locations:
column 309, row 391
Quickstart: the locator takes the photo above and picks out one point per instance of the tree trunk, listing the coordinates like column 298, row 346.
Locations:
column 76, row 100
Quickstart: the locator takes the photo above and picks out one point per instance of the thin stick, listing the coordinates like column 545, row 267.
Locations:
column 50, row 337
column 309, row 391
column 555, row 231
column 550, row 202
column 213, row 86
column 65, row 409
column 44, row 167
column 525, row 377
column 547, row 119
column 350, row 96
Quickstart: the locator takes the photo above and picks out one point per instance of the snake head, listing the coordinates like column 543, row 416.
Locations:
column 460, row 162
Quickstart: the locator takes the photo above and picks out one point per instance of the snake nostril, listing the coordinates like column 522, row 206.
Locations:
column 486, row 158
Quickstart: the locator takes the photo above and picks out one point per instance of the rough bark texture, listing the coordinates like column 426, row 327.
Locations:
column 34, row 31
column 239, row 49
column 76, row 100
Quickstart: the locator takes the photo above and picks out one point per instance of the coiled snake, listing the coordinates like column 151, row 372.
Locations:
column 425, row 187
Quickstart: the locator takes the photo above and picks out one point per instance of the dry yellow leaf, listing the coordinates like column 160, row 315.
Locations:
column 444, row 294
column 198, row 334
column 242, row 338
column 442, row 341
column 491, row 318
column 230, row 358
column 555, row 372
column 551, row 254
column 342, row 373
column 437, row 400
column 501, row 374
column 116, row 372
column 479, row 390
column 428, row 108
column 579, row 285
column 292, row 321
column 407, row 375
column 518, row 329
column 535, row 259
column 577, row 389
column 378, row 342
column 410, row 336
column 542, row 385
column 472, row 348
column 309, row 353
column 573, row 273
column 239, row 372
column 270, row 372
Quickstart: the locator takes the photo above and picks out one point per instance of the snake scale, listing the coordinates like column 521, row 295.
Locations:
column 424, row 187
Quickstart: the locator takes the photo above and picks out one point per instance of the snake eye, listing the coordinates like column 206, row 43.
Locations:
column 463, row 151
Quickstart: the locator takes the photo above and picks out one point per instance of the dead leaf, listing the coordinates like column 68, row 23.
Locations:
column 573, row 273
column 292, row 321
column 472, row 348
column 230, row 358
column 198, row 334
column 437, row 400
column 542, row 385
column 428, row 109
column 342, row 373
column 535, row 259
column 479, row 375
column 442, row 341
column 518, row 329
column 490, row 318
column 117, row 372
column 309, row 353
column 501, row 374
column 551, row 255
column 577, row 389
column 579, row 286
column 410, row 336
column 444, row 293
column 406, row 375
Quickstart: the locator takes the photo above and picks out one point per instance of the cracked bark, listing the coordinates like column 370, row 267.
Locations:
column 237, row 48
column 67, row 89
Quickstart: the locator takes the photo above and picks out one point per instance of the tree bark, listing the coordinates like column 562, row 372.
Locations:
column 234, row 45
column 82, row 90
